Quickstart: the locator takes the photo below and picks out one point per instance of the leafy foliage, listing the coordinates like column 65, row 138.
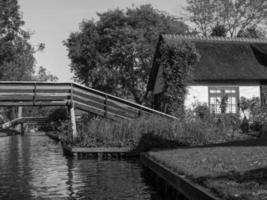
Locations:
column 114, row 54
column 202, row 110
column 176, row 59
column 58, row 115
column 44, row 75
column 252, row 32
column 254, row 112
column 16, row 53
column 249, row 107
column 219, row 31
column 233, row 15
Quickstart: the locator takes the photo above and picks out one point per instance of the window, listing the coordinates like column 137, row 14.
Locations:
column 215, row 103
column 229, row 94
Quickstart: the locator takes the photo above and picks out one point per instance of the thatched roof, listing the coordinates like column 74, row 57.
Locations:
column 222, row 59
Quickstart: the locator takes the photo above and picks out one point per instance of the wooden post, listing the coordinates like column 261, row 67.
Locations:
column 73, row 121
column 22, row 128
column 72, row 115
column 20, row 112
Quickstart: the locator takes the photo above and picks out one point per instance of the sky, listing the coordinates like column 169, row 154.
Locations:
column 52, row 21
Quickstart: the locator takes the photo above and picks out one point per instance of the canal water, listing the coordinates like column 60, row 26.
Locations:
column 33, row 167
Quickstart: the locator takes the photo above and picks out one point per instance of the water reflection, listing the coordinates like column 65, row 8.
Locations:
column 32, row 167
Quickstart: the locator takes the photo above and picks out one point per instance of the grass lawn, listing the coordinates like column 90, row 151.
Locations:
column 232, row 171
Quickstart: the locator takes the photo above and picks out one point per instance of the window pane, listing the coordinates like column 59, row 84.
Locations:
column 215, row 91
column 218, row 109
column 230, row 91
column 233, row 100
column 234, row 109
column 212, row 108
column 212, row 100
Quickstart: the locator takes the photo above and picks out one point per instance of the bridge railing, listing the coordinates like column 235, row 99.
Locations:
column 63, row 94
column 16, row 121
column 33, row 93
column 109, row 105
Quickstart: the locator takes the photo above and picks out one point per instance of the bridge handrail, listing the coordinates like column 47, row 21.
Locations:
column 20, row 120
column 138, row 106
column 71, row 86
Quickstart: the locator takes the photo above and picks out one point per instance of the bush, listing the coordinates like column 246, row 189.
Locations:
column 244, row 125
column 257, row 116
column 255, row 126
column 202, row 110
column 225, row 123
column 57, row 115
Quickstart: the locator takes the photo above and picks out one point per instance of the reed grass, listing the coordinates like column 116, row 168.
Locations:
column 147, row 133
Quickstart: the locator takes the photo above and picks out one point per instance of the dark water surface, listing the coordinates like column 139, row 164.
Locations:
column 33, row 167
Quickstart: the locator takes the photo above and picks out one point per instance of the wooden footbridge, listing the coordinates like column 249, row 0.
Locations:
column 74, row 96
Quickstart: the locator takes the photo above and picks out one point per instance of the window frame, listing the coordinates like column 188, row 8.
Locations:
column 222, row 93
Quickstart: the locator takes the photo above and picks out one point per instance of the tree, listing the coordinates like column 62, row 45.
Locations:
column 252, row 32
column 16, row 53
column 114, row 54
column 219, row 31
column 234, row 15
column 44, row 75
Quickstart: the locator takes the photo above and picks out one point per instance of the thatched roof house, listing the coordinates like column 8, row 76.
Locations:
column 233, row 66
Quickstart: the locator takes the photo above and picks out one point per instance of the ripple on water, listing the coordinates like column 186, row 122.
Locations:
column 32, row 167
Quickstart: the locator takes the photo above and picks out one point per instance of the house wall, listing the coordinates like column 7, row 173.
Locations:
column 196, row 94
column 201, row 94
column 249, row 91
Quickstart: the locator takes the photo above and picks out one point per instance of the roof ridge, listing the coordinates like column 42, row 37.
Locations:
column 213, row 38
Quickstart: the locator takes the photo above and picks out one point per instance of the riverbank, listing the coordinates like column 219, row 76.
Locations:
column 209, row 160
column 236, row 172
column 98, row 152
column 148, row 133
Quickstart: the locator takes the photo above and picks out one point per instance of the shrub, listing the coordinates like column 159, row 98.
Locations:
column 228, row 123
column 57, row 115
column 201, row 110
column 244, row 125
column 257, row 116
column 225, row 123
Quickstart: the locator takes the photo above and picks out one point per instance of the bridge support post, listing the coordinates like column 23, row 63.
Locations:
column 20, row 112
column 72, row 121
column 21, row 128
